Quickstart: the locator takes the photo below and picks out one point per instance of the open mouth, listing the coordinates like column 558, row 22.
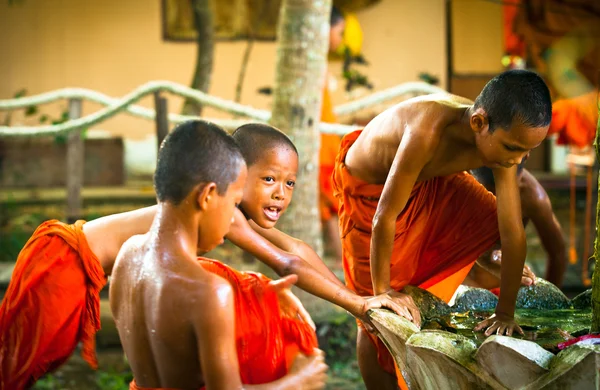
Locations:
column 272, row 212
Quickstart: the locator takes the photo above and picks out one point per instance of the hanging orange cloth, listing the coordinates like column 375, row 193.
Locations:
column 330, row 144
column 447, row 223
column 268, row 336
column 575, row 120
column 52, row 303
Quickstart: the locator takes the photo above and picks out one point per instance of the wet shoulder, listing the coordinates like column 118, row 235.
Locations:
column 532, row 192
column 435, row 111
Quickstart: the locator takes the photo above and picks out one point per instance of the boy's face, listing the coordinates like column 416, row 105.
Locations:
column 508, row 147
column 336, row 35
column 270, row 185
column 219, row 215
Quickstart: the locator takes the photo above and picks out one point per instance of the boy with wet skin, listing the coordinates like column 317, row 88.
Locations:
column 410, row 214
column 175, row 318
column 537, row 208
column 73, row 262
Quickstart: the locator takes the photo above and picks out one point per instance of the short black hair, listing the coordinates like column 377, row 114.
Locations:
column 335, row 16
column 195, row 152
column 485, row 176
column 516, row 96
column 254, row 138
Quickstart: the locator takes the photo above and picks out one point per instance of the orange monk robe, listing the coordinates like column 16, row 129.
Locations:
column 330, row 145
column 447, row 223
column 52, row 303
column 268, row 336
column 575, row 120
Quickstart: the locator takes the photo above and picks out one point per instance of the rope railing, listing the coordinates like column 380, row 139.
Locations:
column 385, row 95
column 113, row 106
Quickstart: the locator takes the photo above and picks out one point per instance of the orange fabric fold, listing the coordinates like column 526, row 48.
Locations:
column 268, row 334
column 51, row 304
column 330, row 144
column 575, row 120
column 447, row 223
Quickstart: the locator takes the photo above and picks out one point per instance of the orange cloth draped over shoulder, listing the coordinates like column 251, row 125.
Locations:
column 52, row 303
column 268, row 335
column 330, row 144
column 575, row 120
column 447, row 223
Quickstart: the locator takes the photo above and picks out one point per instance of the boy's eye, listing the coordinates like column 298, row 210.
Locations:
column 291, row 183
column 510, row 148
column 269, row 179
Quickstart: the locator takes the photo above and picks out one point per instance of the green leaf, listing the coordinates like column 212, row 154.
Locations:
column 31, row 110
column 20, row 93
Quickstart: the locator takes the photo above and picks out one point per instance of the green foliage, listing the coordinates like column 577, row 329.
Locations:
column 48, row 382
column 113, row 381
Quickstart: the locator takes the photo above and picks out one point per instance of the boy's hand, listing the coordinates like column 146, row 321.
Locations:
column 378, row 302
column 528, row 276
column 500, row 324
column 401, row 304
column 310, row 372
column 288, row 302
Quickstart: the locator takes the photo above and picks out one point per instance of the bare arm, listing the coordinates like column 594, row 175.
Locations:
column 539, row 210
column 414, row 151
column 298, row 248
column 512, row 238
column 284, row 263
column 106, row 235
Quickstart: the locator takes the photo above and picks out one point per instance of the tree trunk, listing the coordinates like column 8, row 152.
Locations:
column 203, row 20
column 596, row 278
column 302, row 40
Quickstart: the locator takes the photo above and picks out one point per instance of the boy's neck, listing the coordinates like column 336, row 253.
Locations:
column 463, row 131
column 175, row 227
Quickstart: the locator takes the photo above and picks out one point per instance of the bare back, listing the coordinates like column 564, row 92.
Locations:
column 155, row 300
column 434, row 116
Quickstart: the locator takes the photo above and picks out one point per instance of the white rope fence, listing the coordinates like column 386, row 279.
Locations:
column 126, row 103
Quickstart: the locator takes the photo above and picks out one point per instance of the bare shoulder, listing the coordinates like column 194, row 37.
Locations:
column 533, row 193
column 129, row 249
column 431, row 114
column 216, row 296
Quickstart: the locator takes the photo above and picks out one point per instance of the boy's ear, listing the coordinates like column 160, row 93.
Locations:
column 479, row 120
column 206, row 194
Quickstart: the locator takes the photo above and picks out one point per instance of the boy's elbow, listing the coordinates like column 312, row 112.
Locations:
column 288, row 266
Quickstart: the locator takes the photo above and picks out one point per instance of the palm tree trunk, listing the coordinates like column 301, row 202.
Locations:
column 596, row 278
column 302, row 43
column 203, row 20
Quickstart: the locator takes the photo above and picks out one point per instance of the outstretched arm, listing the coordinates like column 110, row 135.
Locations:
column 319, row 282
column 514, row 249
column 298, row 248
column 106, row 235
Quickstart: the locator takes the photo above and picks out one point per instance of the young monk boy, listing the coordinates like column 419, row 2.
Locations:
column 409, row 214
column 537, row 208
column 175, row 315
column 272, row 161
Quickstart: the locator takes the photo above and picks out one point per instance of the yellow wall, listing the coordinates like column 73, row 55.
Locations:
column 113, row 46
column 477, row 36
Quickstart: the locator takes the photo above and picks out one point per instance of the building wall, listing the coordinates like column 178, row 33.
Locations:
column 114, row 46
